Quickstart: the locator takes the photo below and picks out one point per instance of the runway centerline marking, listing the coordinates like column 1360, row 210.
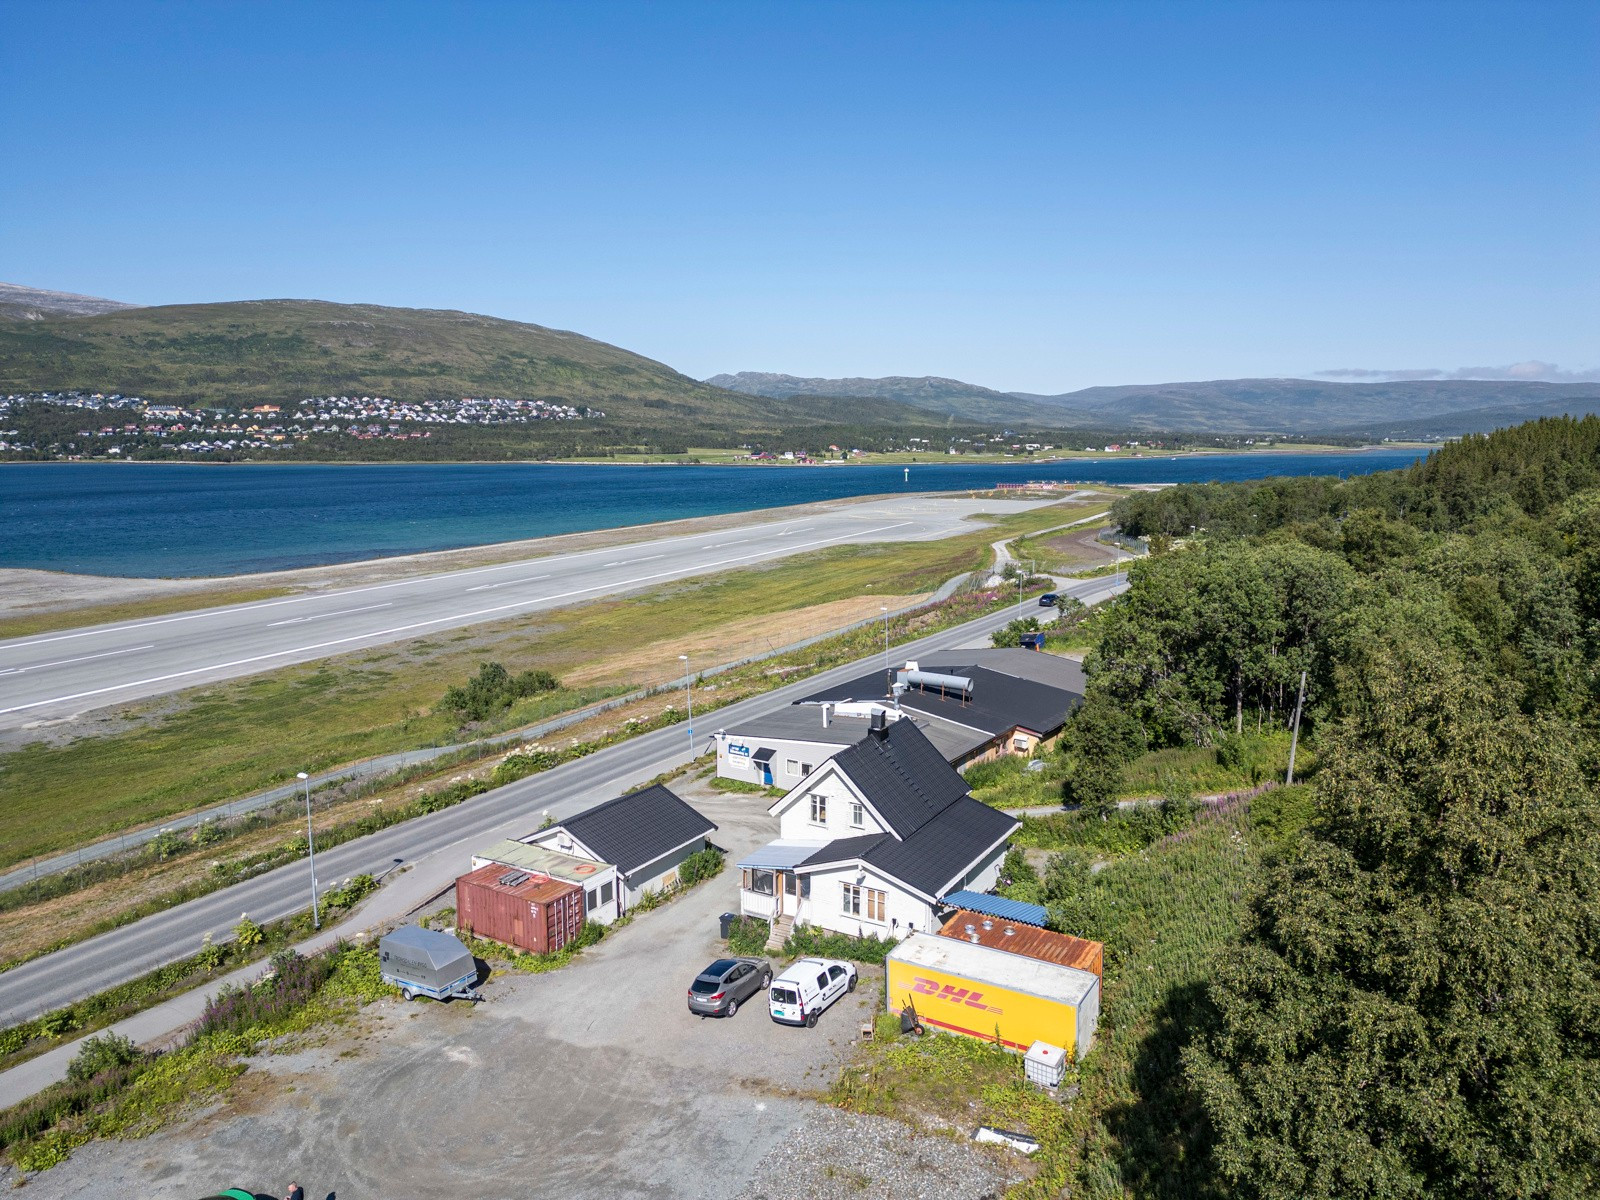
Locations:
column 343, row 612
column 381, row 633
column 62, row 662
column 487, row 587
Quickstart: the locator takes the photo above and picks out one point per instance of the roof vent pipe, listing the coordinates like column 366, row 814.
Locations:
column 827, row 715
column 1010, row 932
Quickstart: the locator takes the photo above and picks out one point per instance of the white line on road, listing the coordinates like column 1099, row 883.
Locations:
column 489, row 587
column 62, row 662
column 343, row 612
column 379, row 633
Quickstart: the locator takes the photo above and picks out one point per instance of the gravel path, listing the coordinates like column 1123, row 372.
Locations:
column 835, row 1155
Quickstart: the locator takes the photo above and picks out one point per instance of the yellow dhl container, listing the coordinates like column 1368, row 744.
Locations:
column 993, row 994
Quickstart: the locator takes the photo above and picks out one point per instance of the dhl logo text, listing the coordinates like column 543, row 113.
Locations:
column 955, row 995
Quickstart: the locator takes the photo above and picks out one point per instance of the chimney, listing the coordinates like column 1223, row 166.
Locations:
column 827, row 715
column 880, row 726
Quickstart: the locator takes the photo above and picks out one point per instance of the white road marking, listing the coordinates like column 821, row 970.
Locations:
column 343, row 612
column 694, row 568
column 62, row 662
column 489, row 587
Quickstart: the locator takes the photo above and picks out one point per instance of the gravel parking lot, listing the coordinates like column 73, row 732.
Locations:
column 592, row 1081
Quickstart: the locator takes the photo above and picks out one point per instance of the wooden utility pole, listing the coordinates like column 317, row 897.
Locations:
column 1294, row 738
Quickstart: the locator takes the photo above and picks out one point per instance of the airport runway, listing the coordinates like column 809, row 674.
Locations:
column 62, row 674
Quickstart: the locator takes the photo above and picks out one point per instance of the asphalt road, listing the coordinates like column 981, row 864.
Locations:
column 62, row 674
column 436, row 847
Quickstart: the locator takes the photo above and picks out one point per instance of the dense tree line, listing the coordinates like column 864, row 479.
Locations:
column 1414, row 1007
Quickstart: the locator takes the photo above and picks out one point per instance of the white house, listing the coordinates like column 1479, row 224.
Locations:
column 872, row 839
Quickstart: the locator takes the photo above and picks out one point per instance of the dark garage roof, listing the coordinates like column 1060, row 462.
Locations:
column 998, row 704
column 638, row 828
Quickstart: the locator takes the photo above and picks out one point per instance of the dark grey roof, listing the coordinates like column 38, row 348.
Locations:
column 938, row 854
column 1041, row 667
column 945, row 848
column 999, row 702
column 902, row 776
column 794, row 724
column 845, row 849
column 638, row 828
column 803, row 723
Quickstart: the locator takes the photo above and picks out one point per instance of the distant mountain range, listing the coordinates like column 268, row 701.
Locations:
column 1415, row 408
column 272, row 351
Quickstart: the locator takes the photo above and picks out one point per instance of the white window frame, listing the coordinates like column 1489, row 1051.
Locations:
column 850, row 900
column 858, row 815
column 792, row 766
column 879, row 900
column 819, row 808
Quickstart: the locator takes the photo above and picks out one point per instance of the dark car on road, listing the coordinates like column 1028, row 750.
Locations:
column 727, row 983
column 1049, row 600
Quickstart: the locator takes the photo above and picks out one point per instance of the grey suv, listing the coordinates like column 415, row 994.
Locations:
column 725, row 984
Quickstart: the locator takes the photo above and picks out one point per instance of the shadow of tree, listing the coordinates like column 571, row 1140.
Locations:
column 1163, row 1136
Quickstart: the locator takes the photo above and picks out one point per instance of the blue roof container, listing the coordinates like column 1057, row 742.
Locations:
column 998, row 906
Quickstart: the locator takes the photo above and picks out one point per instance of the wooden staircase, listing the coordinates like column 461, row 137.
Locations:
column 782, row 927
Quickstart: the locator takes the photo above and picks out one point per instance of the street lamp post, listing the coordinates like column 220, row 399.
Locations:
column 688, row 699
column 888, row 684
column 311, row 852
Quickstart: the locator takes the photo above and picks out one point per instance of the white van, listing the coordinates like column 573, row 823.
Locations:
column 798, row 996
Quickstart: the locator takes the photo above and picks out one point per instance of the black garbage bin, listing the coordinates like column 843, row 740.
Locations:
column 727, row 923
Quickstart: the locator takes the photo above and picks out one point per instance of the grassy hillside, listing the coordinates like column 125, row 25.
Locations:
column 1421, row 407
column 929, row 393
column 271, row 351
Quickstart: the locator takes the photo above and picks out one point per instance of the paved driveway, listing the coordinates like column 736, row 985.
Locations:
column 591, row 1081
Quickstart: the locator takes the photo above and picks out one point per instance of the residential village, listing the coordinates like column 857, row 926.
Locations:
column 136, row 424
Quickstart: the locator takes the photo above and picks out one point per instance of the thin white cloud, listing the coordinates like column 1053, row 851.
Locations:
column 1531, row 371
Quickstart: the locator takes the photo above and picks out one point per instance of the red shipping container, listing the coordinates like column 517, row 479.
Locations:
column 520, row 908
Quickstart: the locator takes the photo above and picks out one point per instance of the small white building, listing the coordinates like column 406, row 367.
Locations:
column 872, row 839
column 646, row 834
column 780, row 748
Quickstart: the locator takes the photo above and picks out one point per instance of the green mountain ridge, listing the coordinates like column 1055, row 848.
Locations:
column 1421, row 408
column 276, row 351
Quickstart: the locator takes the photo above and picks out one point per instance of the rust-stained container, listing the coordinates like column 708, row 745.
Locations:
column 1027, row 940
column 520, row 908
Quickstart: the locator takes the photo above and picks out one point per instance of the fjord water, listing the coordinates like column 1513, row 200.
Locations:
column 179, row 519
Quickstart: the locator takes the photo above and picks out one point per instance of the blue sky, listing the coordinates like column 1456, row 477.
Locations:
column 1029, row 196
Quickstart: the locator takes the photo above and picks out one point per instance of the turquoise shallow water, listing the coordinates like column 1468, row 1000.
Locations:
column 173, row 519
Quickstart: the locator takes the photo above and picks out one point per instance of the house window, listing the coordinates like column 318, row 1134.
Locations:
column 876, row 903
column 852, row 900
column 819, row 809
column 605, row 892
column 806, row 768
column 759, row 882
column 590, row 899
column 858, row 814
column 1019, row 743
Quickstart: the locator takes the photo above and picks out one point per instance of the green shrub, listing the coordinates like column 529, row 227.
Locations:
column 702, row 864
column 809, row 941
column 748, row 936
column 247, row 933
column 107, row 1052
column 493, row 690
column 1011, row 633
